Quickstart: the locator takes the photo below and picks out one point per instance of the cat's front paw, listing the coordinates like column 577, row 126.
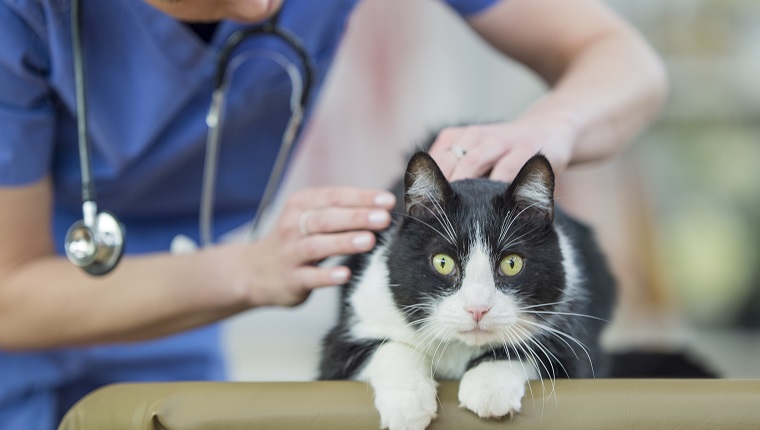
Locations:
column 406, row 409
column 492, row 389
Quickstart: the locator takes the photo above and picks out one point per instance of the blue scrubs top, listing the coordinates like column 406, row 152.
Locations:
column 149, row 82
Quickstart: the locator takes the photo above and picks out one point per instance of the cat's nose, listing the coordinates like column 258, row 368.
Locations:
column 477, row 312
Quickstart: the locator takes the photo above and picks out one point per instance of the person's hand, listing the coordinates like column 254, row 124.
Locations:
column 499, row 150
column 316, row 223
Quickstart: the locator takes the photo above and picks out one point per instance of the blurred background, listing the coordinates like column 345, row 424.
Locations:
column 678, row 213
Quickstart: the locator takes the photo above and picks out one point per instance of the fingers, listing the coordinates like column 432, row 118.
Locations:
column 310, row 277
column 468, row 152
column 314, row 198
column 479, row 159
column 319, row 223
column 499, row 150
column 507, row 167
column 316, row 224
column 335, row 220
column 317, row 247
column 443, row 151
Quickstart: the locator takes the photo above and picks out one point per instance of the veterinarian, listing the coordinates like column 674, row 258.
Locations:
column 149, row 76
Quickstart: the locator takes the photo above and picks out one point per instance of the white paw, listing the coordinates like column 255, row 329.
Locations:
column 492, row 389
column 406, row 409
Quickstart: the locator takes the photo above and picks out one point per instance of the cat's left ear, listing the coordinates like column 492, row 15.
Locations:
column 425, row 185
column 533, row 188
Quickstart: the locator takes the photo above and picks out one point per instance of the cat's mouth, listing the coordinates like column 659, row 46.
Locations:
column 475, row 330
column 476, row 336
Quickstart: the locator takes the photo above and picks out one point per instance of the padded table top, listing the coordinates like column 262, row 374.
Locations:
column 570, row 404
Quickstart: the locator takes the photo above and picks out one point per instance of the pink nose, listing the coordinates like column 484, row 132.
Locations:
column 478, row 312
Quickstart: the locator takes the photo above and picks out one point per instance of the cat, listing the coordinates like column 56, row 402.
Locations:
column 479, row 281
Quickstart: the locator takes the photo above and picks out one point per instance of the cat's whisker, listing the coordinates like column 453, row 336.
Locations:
column 505, row 344
column 550, row 357
column 446, row 338
column 349, row 362
column 552, row 332
column 419, row 322
column 560, row 334
column 418, row 336
column 519, row 333
column 509, row 226
column 424, row 336
column 540, row 305
column 441, row 216
column 443, row 224
column 438, row 215
column 535, row 361
column 505, row 226
column 571, row 314
column 446, row 238
column 510, row 242
column 411, row 310
column 422, row 305
column 515, row 343
column 435, row 337
column 509, row 221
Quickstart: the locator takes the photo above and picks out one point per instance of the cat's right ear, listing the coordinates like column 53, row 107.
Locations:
column 425, row 185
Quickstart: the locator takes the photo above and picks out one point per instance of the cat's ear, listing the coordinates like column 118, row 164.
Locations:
column 425, row 185
column 533, row 187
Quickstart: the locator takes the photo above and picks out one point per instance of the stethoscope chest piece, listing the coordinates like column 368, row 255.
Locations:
column 96, row 247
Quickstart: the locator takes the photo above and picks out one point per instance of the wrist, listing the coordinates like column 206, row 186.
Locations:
column 561, row 130
column 212, row 281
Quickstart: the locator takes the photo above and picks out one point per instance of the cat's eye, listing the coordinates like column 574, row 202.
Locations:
column 511, row 265
column 443, row 264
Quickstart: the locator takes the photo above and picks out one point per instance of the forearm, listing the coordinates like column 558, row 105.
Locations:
column 48, row 303
column 606, row 96
column 606, row 83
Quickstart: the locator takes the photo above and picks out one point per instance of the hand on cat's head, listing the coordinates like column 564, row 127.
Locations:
column 499, row 150
column 427, row 190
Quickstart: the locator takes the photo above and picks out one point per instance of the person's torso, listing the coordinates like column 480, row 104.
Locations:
column 149, row 81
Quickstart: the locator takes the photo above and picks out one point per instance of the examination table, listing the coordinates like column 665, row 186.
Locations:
column 609, row 404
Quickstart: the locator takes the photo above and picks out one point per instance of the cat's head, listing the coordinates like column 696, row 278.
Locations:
column 474, row 260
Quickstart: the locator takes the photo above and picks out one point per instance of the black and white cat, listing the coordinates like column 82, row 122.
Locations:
column 478, row 280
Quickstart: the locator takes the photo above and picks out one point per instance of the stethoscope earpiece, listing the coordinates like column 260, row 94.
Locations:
column 98, row 248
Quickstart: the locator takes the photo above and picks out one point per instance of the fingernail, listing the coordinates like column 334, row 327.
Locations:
column 339, row 276
column 385, row 199
column 362, row 241
column 379, row 217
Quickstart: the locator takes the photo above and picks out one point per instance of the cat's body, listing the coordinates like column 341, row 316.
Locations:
column 480, row 281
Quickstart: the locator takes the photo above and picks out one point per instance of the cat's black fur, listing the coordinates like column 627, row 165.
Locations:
column 569, row 318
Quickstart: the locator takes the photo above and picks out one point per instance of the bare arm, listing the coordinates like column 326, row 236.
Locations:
column 606, row 83
column 47, row 302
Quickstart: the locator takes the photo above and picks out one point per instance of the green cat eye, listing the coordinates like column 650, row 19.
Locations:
column 511, row 265
column 443, row 264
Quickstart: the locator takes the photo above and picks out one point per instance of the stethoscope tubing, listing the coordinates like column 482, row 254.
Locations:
column 85, row 166
column 214, row 122
column 107, row 252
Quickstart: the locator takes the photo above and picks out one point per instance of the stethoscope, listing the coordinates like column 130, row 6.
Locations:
column 96, row 242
